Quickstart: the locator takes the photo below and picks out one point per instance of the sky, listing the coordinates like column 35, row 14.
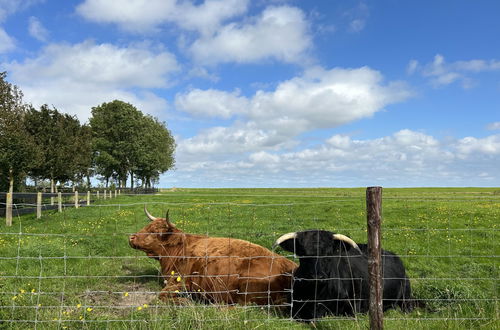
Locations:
column 277, row 93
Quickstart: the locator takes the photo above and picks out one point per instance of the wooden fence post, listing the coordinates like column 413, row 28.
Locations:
column 88, row 197
column 59, row 201
column 97, row 196
column 38, row 205
column 104, row 193
column 8, row 209
column 373, row 214
column 116, row 194
column 77, row 204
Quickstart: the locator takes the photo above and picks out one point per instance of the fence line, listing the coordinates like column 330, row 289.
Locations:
column 12, row 208
column 62, row 296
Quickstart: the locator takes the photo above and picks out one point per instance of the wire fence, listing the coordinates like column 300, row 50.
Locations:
column 77, row 268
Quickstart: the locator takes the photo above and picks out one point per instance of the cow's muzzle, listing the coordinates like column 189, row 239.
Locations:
column 131, row 241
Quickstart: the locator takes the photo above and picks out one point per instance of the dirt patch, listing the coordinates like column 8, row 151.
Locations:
column 138, row 296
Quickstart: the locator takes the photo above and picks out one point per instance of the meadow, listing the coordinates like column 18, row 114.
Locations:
column 75, row 269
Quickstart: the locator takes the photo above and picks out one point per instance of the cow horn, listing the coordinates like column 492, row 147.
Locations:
column 285, row 238
column 347, row 240
column 167, row 219
column 149, row 215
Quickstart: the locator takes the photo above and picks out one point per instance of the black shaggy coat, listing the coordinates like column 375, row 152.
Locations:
column 333, row 277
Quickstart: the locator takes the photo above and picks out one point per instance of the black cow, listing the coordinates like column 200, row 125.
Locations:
column 333, row 276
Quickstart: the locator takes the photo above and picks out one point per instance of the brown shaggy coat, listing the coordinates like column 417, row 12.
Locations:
column 214, row 269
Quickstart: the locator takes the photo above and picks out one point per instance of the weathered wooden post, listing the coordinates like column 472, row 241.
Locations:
column 59, row 201
column 8, row 209
column 104, row 193
column 116, row 194
column 77, row 204
column 373, row 214
column 39, row 205
column 97, row 195
column 88, row 197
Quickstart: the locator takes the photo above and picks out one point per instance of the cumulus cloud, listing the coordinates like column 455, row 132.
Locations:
column 76, row 77
column 488, row 146
column 318, row 99
column 145, row 16
column 441, row 73
column 405, row 158
column 37, row 30
column 279, row 33
column 211, row 103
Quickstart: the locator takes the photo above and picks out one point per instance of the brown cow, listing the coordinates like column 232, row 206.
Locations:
column 214, row 269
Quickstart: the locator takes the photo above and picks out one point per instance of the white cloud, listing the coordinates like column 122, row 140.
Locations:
column 405, row 158
column 318, row 99
column 7, row 43
column 442, row 73
column 494, row 126
column 211, row 103
column 76, row 77
column 488, row 146
column 9, row 7
column 358, row 17
column 279, row 33
column 412, row 67
column 37, row 30
column 146, row 16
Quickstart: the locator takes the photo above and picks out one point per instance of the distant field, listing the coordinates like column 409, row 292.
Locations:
column 76, row 270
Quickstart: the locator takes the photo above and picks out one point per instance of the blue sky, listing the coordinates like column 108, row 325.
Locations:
column 279, row 93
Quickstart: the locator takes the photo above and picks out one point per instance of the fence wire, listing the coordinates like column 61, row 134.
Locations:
column 76, row 268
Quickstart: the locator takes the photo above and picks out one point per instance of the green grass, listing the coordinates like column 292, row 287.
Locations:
column 76, row 270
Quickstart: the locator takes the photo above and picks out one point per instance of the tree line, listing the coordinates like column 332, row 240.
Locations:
column 45, row 145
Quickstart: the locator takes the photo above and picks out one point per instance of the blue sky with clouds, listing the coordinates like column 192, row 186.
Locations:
column 279, row 93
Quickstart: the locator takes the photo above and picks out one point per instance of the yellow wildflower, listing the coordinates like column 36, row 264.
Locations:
column 145, row 305
column 126, row 294
column 139, row 308
column 178, row 278
column 78, row 305
column 172, row 273
column 89, row 309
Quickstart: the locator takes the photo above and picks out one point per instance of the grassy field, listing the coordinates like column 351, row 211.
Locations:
column 76, row 270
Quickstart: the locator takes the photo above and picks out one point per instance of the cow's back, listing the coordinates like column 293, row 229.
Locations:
column 237, row 271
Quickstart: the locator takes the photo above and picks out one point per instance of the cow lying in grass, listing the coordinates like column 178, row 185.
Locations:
column 333, row 276
column 214, row 269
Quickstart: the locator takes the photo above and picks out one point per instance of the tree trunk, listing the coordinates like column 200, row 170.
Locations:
column 11, row 181
column 132, row 180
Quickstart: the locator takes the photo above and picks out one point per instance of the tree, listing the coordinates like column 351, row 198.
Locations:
column 64, row 143
column 18, row 150
column 157, row 152
column 115, row 139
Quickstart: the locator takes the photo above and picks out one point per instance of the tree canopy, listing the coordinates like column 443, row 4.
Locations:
column 120, row 142
column 126, row 142
column 18, row 151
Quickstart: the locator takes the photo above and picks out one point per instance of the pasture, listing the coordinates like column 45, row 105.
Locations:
column 75, row 269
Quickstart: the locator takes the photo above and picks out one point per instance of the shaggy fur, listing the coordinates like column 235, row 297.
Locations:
column 332, row 277
column 215, row 269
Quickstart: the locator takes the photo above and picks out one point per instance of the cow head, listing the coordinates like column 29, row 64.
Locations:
column 153, row 238
column 311, row 243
